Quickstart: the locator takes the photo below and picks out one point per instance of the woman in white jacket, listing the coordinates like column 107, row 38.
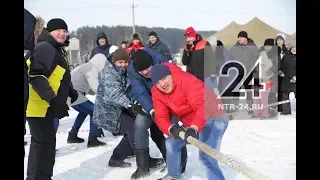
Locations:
column 85, row 78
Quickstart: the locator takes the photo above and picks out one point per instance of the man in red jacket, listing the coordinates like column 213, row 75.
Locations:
column 199, row 109
column 198, row 55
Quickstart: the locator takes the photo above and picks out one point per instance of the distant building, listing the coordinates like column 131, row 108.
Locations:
column 74, row 53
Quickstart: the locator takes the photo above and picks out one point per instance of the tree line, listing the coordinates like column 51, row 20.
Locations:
column 172, row 37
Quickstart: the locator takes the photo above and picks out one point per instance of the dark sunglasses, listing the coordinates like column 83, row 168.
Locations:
column 186, row 33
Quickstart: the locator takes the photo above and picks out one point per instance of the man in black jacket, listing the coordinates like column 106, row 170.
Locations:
column 49, row 86
column 158, row 46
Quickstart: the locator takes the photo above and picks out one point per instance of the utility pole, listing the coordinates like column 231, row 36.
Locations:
column 133, row 18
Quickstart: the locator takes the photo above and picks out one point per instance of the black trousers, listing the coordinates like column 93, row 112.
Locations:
column 280, row 98
column 42, row 148
column 126, row 145
column 159, row 139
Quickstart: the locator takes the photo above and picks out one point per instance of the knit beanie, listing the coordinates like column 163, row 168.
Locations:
column 269, row 42
column 152, row 33
column 243, row 34
column 120, row 54
column 159, row 71
column 142, row 60
column 55, row 24
column 190, row 32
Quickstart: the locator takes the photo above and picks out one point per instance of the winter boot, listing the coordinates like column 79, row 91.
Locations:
column 94, row 142
column 155, row 162
column 142, row 160
column 116, row 162
column 73, row 138
column 184, row 158
column 167, row 177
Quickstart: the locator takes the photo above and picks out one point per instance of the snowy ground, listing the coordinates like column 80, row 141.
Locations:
column 267, row 146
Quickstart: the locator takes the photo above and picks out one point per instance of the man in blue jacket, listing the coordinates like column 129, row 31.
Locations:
column 139, row 78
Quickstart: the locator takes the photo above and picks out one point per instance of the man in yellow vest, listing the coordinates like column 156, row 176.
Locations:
column 49, row 88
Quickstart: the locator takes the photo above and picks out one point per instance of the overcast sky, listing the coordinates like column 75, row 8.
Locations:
column 201, row 14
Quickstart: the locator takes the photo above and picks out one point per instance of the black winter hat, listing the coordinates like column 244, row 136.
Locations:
column 152, row 33
column 243, row 34
column 142, row 60
column 159, row 71
column 55, row 24
column 269, row 42
column 219, row 43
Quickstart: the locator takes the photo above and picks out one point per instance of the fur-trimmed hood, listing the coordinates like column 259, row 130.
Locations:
column 136, row 36
column 32, row 28
column 39, row 26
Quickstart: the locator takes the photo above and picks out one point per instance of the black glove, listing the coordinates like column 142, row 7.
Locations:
column 175, row 130
column 190, row 132
column 60, row 109
column 73, row 94
column 188, row 47
column 136, row 109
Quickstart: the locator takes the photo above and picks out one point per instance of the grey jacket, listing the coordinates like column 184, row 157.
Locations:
column 113, row 95
column 247, row 54
column 86, row 77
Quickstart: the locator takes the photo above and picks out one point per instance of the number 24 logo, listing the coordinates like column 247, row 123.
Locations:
column 243, row 79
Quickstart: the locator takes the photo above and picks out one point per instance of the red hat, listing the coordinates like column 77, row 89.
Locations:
column 190, row 32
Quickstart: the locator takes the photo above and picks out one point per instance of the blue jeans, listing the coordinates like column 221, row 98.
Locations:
column 211, row 135
column 84, row 109
column 141, row 133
